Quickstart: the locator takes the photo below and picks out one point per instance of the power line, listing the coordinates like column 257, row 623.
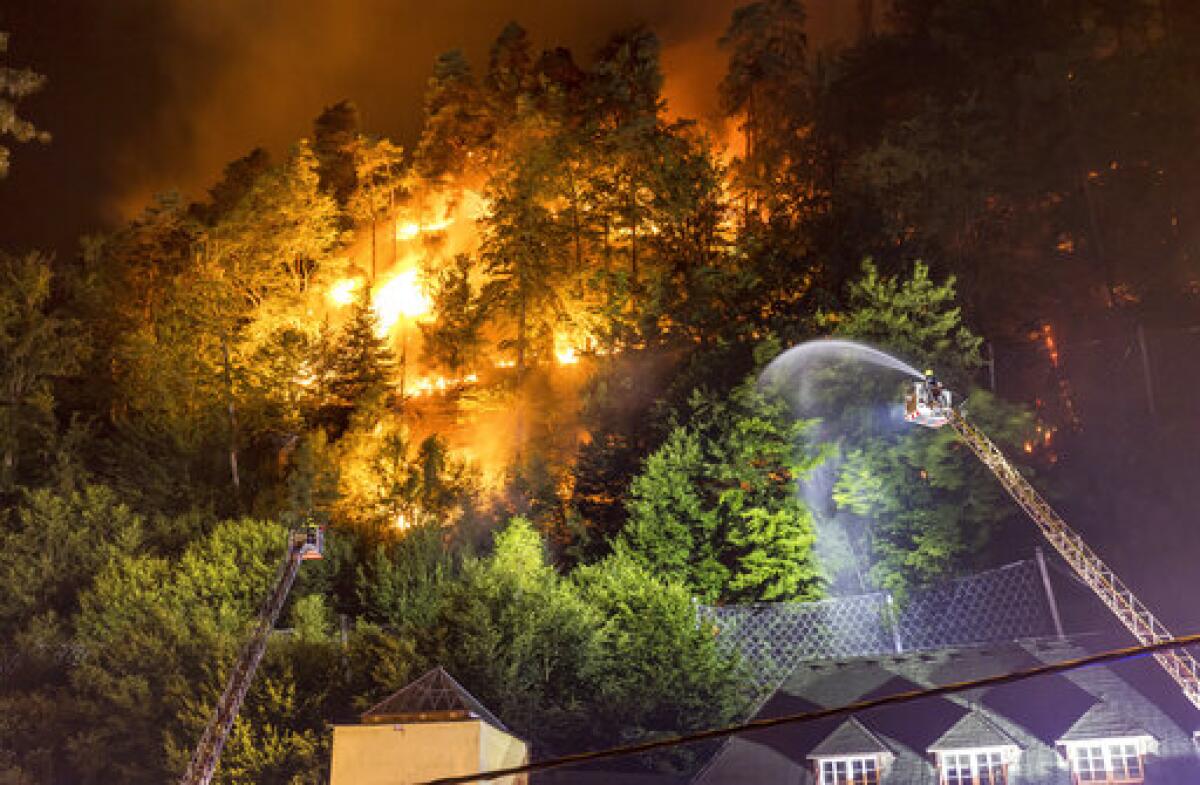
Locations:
column 1113, row 655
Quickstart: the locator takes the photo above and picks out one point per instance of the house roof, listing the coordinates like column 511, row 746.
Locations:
column 1032, row 715
column 973, row 731
column 434, row 697
column 1103, row 721
column 849, row 738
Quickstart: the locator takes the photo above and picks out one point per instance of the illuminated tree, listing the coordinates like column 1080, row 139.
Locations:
column 624, row 92
column 358, row 366
column 16, row 84
column 457, row 122
column 916, row 318
column 145, row 621
column 454, row 339
column 336, row 141
column 377, row 174
column 522, row 253
column 767, row 85
column 510, row 70
column 716, row 507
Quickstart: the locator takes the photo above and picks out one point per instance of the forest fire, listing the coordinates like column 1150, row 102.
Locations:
column 400, row 298
column 411, row 230
column 343, row 292
column 491, row 345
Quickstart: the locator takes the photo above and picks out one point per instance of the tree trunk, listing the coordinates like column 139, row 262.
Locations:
column 233, row 424
column 373, row 233
column 520, row 338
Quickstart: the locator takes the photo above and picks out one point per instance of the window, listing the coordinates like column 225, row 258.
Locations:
column 1107, row 762
column 974, row 767
column 850, row 771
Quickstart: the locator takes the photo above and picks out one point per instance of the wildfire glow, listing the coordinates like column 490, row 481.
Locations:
column 564, row 352
column 342, row 292
column 428, row 385
column 400, row 297
column 410, row 230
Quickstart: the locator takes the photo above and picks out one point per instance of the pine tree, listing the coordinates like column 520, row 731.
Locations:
column 716, row 509
column 336, row 142
column 360, row 368
column 454, row 339
column 522, row 252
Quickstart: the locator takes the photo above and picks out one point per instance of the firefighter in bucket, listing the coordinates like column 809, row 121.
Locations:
column 927, row 402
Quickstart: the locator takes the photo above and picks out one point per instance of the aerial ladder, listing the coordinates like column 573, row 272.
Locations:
column 304, row 544
column 930, row 404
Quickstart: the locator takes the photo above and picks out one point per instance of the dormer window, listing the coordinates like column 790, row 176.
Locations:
column 850, row 755
column 974, row 751
column 1109, row 761
column 975, row 767
column 861, row 770
column 1104, row 746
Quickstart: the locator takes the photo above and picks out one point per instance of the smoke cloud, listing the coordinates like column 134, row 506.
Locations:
column 147, row 96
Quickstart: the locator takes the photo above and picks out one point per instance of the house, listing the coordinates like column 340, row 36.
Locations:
column 431, row 728
column 1124, row 723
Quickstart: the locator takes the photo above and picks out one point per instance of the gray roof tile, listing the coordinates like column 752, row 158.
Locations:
column 849, row 738
column 973, row 730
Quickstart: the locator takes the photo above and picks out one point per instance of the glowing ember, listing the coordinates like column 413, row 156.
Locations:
column 342, row 292
column 399, row 297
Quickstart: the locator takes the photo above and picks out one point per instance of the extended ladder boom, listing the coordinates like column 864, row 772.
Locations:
column 1181, row 665
column 208, row 751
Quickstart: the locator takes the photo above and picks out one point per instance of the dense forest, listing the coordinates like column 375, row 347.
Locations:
column 514, row 371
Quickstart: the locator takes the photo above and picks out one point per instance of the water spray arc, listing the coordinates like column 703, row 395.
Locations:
column 927, row 402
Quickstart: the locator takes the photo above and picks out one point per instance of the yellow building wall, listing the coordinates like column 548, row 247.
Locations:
column 498, row 750
column 387, row 754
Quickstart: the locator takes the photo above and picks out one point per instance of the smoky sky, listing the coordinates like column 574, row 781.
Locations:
column 146, row 96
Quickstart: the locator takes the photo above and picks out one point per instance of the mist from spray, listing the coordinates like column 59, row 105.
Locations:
column 849, row 390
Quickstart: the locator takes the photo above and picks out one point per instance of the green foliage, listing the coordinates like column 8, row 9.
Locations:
column 37, row 347
column 914, row 318
column 715, row 507
column 656, row 670
column 519, row 636
column 53, row 545
column 152, row 629
column 932, row 509
column 401, row 584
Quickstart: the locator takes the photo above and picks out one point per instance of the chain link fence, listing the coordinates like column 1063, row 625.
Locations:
column 771, row 639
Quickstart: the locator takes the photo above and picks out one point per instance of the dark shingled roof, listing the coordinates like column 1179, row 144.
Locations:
column 435, row 697
column 972, row 731
column 1030, row 715
column 1103, row 721
column 849, row 738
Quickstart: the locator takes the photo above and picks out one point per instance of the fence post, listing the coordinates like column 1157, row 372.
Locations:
column 894, row 623
column 1041, row 563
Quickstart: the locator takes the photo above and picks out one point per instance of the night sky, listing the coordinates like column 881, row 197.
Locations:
column 152, row 95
